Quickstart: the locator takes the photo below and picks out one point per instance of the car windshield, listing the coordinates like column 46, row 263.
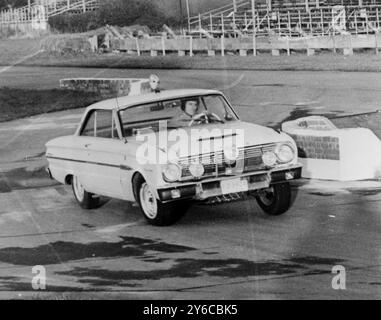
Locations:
column 176, row 113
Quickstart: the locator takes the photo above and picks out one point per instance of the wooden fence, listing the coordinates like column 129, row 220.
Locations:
column 248, row 45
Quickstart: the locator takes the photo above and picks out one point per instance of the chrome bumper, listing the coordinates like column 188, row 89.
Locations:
column 205, row 189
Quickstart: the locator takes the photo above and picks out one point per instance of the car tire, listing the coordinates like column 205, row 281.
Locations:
column 275, row 200
column 154, row 211
column 85, row 199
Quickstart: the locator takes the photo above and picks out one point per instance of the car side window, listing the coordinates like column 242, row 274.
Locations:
column 104, row 124
column 101, row 124
column 145, row 118
column 89, row 128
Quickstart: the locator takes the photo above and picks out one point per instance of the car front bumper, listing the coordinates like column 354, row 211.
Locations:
column 205, row 189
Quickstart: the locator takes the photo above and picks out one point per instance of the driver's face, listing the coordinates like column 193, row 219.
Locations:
column 191, row 107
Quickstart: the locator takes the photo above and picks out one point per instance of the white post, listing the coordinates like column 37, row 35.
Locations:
column 199, row 23
column 188, row 15
column 254, row 28
column 223, row 36
column 191, row 46
column 163, row 44
column 376, row 41
column 137, row 46
column 235, row 5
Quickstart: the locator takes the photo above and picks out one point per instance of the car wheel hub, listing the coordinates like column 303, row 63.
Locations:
column 148, row 201
column 267, row 196
column 78, row 189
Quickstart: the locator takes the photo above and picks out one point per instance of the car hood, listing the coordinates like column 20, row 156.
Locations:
column 194, row 139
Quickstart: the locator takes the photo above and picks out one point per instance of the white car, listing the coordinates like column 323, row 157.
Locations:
column 166, row 150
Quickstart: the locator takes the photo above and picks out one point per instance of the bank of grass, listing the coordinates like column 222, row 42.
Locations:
column 20, row 51
column 22, row 103
column 363, row 62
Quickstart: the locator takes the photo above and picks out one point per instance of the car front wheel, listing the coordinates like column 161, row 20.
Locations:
column 275, row 200
column 156, row 212
column 85, row 199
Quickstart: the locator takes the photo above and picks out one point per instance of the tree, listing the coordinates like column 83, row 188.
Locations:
column 4, row 4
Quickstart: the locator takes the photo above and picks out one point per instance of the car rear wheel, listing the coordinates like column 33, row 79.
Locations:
column 85, row 199
column 275, row 200
column 156, row 212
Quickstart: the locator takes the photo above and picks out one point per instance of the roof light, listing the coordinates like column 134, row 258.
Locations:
column 154, row 82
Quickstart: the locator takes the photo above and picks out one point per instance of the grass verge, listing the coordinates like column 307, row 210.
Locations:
column 22, row 103
column 15, row 51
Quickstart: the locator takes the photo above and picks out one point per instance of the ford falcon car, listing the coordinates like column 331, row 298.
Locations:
column 168, row 150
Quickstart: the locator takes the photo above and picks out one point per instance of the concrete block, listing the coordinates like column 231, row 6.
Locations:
column 181, row 53
column 153, row 53
column 243, row 53
column 211, row 53
column 310, row 52
column 329, row 153
column 275, row 52
column 348, row 51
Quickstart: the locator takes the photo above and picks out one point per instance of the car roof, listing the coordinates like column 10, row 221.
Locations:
column 130, row 101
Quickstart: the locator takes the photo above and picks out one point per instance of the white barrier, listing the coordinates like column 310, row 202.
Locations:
column 329, row 153
column 108, row 86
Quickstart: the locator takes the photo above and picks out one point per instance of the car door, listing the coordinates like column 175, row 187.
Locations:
column 104, row 155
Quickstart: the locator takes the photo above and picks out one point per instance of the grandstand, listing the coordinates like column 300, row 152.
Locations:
column 41, row 10
column 292, row 18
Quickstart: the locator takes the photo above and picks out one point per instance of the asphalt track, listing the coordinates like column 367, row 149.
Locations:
column 230, row 251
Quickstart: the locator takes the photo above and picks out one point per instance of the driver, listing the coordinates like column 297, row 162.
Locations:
column 189, row 110
column 190, row 107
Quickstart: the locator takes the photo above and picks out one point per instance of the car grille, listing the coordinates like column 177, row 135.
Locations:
column 249, row 159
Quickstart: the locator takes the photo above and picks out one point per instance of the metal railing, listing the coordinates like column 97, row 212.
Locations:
column 43, row 9
column 296, row 22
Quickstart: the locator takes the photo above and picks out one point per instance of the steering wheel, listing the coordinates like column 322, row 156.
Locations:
column 205, row 118
column 215, row 117
column 200, row 118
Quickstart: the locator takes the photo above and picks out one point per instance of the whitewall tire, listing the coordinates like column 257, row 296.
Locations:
column 154, row 211
column 85, row 199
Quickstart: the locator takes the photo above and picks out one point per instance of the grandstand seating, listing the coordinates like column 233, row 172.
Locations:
column 290, row 17
column 43, row 9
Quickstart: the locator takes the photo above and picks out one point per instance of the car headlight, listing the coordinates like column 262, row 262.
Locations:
column 269, row 158
column 231, row 154
column 197, row 170
column 172, row 172
column 285, row 153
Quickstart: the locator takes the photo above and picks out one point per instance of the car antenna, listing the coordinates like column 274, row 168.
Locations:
column 118, row 109
column 117, row 101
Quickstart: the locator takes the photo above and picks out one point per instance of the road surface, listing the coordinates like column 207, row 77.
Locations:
column 230, row 251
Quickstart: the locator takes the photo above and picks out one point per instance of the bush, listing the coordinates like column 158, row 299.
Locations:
column 114, row 12
column 74, row 23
